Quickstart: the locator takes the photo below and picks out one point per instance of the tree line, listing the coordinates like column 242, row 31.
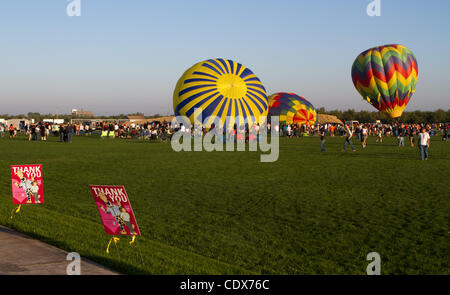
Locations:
column 437, row 116
column 38, row 117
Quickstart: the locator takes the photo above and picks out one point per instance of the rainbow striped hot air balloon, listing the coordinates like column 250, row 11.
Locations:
column 221, row 88
column 292, row 109
column 386, row 77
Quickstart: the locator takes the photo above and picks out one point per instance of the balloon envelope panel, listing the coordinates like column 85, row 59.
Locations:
column 292, row 109
column 386, row 77
column 221, row 88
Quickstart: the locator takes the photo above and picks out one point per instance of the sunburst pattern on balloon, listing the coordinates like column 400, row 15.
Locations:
column 221, row 88
column 292, row 109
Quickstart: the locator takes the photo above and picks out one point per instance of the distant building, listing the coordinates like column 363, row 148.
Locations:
column 162, row 119
column 135, row 118
column 82, row 114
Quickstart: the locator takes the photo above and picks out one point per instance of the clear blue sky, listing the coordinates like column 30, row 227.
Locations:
column 123, row 56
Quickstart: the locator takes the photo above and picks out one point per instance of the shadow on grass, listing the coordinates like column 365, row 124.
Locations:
column 121, row 267
column 148, row 141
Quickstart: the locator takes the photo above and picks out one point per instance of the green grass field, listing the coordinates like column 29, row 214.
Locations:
column 228, row 213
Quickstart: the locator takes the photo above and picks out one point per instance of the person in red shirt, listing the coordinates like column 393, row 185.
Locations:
column 11, row 131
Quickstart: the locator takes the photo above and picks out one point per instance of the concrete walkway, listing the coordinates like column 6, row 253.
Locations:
column 22, row 255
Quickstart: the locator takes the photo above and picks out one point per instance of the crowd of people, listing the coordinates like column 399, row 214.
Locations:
column 399, row 130
column 147, row 130
column 39, row 131
column 163, row 131
column 42, row 130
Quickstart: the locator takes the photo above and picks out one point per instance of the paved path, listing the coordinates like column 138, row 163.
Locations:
column 22, row 255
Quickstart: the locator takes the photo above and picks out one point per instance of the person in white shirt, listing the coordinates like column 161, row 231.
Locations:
column 116, row 130
column 424, row 144
column 348, row 139
column 364, row 134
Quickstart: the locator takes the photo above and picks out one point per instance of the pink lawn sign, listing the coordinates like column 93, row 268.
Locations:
column 27, row 184
column 115, row 209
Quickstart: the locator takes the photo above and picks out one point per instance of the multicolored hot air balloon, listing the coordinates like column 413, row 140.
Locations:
column 221, row 88
column 292, row 109
column 386, row 77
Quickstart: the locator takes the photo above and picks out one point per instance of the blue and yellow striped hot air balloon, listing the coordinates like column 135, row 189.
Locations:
column 221, row 88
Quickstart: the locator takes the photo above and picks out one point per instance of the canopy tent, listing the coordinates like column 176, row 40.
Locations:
column 328, row 119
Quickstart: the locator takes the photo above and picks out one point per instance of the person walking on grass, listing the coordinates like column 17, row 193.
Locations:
column 43, row 132
column 364, row 134
column 401, row 136
column 69, row 130
column 444, row 137
column 11, row 131
column 62, row 130
column 322, row 139
column 359, row 132
column 379, row 134
column 411, row 135
column 424, row 144
column 348, row 138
